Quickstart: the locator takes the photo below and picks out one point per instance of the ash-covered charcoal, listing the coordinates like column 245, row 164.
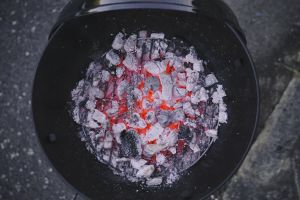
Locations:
column 130, row 144
column 185, row 133
column 149, row 108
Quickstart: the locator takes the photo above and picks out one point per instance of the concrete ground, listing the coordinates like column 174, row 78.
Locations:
column 271, row 169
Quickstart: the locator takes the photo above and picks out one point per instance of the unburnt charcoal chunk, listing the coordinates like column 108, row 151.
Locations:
column 185, row 133
column 130, row 144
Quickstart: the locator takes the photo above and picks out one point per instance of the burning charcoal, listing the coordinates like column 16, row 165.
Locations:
column 136, row 121
column 95, row 92
column 154, row 181
column 121, row 88
column 99, row 117
column 155, row 67
column 117, row 129
column 131, row 62
column 105, row 158
column 212, row 133
column 163, row 46
column 179, row 92
column 155, row 51
column 137, row 164
column 169, row 55
column 99, row 146
column 168, row 138
column 159, row 92
column 137, row 93
column 107, row 144
column 114, row 108
column 167, row 85
column 146, row 50
column 118, row 42
column 181, row 76
column 150, row 117
column 105, row 76
column 185, row 133
column 113, row 161
column 210, row 80
column 146, row 104
column 198, row 66
column 157, row 35
column 222, row 117
column 190, row 84
column 177, row 64
column 119, row 72
column 112, row 57
column 199, row 95
column 191, row 57
column 194, row 147
column 123, row 159
column 152, row 83
column 222, row 106
column 172, row 150
column 163, row 118
column 160, row 159
column 130, row 43
column 77, row 92
column 154, row 132
column 90, row 105
column 145, row 172
column 172, row 177
column 90, row 122
column 130, row 144
column 139, row 53
column 94, row 72
column 218, row 95
column 151, row 149
column 110, row 89
column 143, row 34
column 178, row 115
column 178, row 105
column 188, row 109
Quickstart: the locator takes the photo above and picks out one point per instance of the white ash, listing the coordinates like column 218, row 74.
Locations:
column 137, row 164
column 167, row 84
column 130, row 43
column 145, row 171
column 151, row 149
column 160, row 159
column 131, row 62
column 194, row 147
column 172, row 150
column 157, row 35
column 112, row 57
column 154, row 132
column 119, row 72
column 121, row 88
column 105, row 76
column 154, row 181
column 177, row 92
column 199, row 95
column 210, row 79
column 118, row 41
column 155, row 67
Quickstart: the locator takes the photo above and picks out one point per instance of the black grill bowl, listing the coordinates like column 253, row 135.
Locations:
column 74, row 44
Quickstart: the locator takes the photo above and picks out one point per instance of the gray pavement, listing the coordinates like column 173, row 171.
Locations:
column 271, row 170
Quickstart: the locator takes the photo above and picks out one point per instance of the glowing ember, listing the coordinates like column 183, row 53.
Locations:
column 148, row 108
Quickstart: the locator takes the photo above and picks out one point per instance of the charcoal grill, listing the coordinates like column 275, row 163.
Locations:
column 84, row 29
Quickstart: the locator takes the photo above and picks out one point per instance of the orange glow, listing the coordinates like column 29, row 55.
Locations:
column 169, row 69
column 164, row 106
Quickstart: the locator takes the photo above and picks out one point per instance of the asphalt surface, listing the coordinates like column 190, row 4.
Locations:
column 272, row 29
